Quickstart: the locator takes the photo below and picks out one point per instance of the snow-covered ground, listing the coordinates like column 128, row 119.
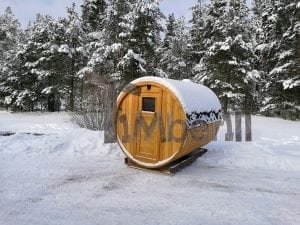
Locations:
column 68, row 176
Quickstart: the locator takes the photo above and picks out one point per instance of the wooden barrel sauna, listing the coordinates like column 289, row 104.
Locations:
column 159, row 120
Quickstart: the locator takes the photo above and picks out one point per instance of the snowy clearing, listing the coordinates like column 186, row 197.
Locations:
column 68, row 176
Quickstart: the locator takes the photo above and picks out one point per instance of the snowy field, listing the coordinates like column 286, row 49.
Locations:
column 68, row 176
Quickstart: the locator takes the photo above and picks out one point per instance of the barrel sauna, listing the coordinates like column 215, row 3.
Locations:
column 159, row 120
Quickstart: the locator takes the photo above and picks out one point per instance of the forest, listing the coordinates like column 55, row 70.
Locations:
column 250, row 57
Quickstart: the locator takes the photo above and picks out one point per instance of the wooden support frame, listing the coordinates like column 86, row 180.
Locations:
column 173, row 167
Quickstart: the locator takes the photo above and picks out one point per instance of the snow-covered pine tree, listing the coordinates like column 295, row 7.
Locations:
column 93, row 14
column 279, row 57
column 115, row 13
column 47, row 66
column 125, row 48
column 257, row 35
column 214, row 50
column 129, row 64
column 198, row 22
column 287, row 68
column 242, row 56
column 170, row 30
column 264, row 17
column 226, row 63
column 164, row 50
column 10, row 33
column 73, row 48
column 257, row 7
column 104, row 46
column 38, row 80
column 25, row 90
column 174, row 50
column 141, row 36
column 105, row 52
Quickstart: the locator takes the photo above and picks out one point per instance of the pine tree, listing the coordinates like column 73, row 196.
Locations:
column 165, row 50
column 257, row 7
column 257, row 36
column 226, row 63
column 174, row 51
column 25, row 91
column 48, row 35
column 75, row 54
column 9, row 33
column 197, row 30
column 104, row 45
column 170, row 30
column 93, row 14
column 242, row 53
column 10, row 36
column 126, row 46
column 34, row 84
column 211, row 69
column 288, row 62
column 94, row 20
column 40, row 63
column 141, row 36
column 46, row 68
column 279, row 58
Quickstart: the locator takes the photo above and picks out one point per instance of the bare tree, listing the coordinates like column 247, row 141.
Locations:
column 89, row 112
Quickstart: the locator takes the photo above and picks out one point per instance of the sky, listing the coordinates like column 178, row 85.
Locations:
column 26, row 10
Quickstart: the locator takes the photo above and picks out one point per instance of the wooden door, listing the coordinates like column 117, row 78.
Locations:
column 148, row 135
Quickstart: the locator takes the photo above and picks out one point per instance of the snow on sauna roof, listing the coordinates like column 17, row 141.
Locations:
column 192, row 96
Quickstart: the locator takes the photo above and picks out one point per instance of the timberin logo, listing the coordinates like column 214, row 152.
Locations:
column 198, row 132
column 229, row 135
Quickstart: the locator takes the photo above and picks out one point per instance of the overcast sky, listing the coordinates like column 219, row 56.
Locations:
column 25, row 10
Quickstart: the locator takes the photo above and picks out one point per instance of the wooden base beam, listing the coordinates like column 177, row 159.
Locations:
column 173, row 167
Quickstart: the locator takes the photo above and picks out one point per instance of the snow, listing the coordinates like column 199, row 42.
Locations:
column 192, row 96
column 280, row 69
column 232, row 62
column 131, row 54
column 272, row 18
column 7, row 100
column 84, row 70
column 290, row 83
column 41, row 73
column 284, row 54
column 123, row 34
column 47, row 90
column 34, row 64
column 253, row 75
column 261, row 47
column 66, row 49
column 116, row 47
column 81, row 50
column 68, row 176
column 54, row 48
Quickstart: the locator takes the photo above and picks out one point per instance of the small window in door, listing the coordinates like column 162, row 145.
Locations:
column 148, row 104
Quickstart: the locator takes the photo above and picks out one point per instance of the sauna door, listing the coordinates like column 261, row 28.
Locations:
column 148, row 136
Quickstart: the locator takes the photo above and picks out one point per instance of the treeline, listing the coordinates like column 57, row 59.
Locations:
column 250, row 60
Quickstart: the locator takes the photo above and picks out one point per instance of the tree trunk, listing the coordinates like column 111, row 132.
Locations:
column 51, row 103
column 72, row 86
column 72, row 94
column 81, row 92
